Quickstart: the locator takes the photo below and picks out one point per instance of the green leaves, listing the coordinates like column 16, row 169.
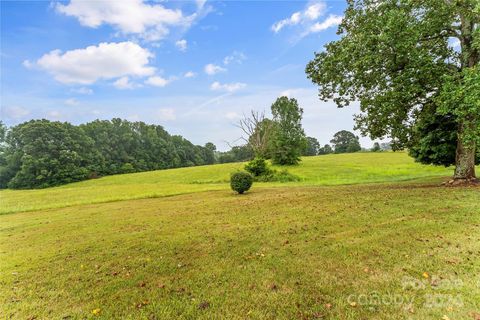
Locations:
column 289, row 139
column 460, row 96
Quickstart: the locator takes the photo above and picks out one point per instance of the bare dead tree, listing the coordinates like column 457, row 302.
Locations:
column 257, row 131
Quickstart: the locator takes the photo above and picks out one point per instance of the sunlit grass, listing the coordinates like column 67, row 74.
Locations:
column 320, row 170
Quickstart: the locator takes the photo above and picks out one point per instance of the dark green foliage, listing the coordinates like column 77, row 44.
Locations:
column 376, row 147
column 434, row 140
column 241, row 181
column 258, row 167
column 236, row 154
column 326, row 149
column 209, row 151
column 41, row 153
column 312, row 147
column 288, row 138
column 345, row 142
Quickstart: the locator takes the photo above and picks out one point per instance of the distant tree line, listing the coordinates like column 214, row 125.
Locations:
column 43, row 153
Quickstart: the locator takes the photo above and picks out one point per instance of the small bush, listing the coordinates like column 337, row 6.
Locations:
column 258, row 167
column 241, row 181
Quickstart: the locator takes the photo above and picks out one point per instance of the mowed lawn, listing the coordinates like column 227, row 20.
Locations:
column 321, row 170
column 310, row 250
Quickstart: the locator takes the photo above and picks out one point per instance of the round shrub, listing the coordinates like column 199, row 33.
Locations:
column 258, row 167
column 241, row 181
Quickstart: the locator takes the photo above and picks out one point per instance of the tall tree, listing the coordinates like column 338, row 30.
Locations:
column 289, row 138
column 345, row 142
column 396, row 58
column 209, row 151
column 312, row 147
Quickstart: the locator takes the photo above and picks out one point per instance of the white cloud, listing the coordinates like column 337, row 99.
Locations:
column 315, row 10
column 212, row 69
column 229, row 87
column 157, row 81
column 181, row 45
column 82, row 90
column 72, row 102
column 189, row 74
column 124, row 83
column 105, row 61
column 166, row 114
column 331, row 21
column 312, row 12
column 236, row 57
column 152, row 22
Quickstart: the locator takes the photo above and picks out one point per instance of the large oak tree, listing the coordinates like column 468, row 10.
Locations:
column 405, row 60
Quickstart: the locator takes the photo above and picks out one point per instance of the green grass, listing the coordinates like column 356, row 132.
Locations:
column 276, row 253
column 309, row 250
column 321, row 170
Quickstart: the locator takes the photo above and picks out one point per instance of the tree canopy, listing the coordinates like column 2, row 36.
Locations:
column 312, row 147
column 288, row 138
column 345, row 142
column 42, row 153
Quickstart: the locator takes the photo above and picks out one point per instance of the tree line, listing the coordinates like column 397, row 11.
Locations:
column 43, row 153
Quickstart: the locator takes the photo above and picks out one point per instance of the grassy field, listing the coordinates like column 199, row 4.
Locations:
column 321, row 170
column 333, row 246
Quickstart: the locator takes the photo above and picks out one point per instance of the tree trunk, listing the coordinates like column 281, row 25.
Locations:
column 465, row 159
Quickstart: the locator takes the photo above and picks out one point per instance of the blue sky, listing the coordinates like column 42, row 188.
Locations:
column 193, row 67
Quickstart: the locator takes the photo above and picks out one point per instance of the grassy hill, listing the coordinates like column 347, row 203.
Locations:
column 321, row 170
column 353, row 240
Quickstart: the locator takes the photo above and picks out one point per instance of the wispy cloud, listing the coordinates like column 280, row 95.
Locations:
column 307, row 20
column 181, row 45
column 157, row 81
column 124, row 83
column 311, row 13
column 82, row 90
column 331, row 21
column 235, row 57
column 228, row 87
column 212, row 69
column 189, row 74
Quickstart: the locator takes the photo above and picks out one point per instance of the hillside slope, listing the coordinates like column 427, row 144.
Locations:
column 321, row 170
